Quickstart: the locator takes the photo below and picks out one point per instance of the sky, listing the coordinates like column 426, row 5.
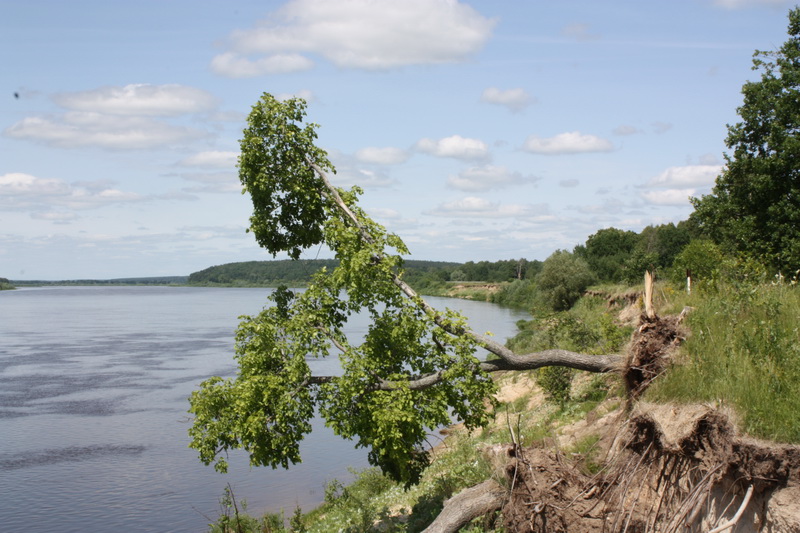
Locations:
column 478, row 129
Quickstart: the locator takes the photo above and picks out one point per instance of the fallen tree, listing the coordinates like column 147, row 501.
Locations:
column 416, row 368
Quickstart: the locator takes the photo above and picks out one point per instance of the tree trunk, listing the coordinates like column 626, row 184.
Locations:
column 468, row 504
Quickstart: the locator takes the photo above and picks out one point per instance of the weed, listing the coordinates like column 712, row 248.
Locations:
column 234, row 518
column 587, row 452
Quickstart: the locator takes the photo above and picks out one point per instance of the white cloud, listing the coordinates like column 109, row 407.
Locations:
column 364, row 34
column 474, row 207
column 382, row 156
column 384, row 213
column 17, row 184
column 305, row 94
column 626, row 129
column 212, row 158
column 686, row 176
column 573, row 142
column 24, row 191
column 570, row 183
column 514, row 99
column 232, row 65
column 139, row 100
column 669, row 196
column 456, row 146
column 78, row 128
column 488, row 177
column 363, row 178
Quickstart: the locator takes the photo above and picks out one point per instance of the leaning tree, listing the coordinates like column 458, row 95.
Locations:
column 414, row 370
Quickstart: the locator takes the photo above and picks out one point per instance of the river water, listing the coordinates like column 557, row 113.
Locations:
column 94, row 384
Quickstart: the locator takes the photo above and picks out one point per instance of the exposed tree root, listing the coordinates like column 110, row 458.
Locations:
column 672, row 470
column 649, row 351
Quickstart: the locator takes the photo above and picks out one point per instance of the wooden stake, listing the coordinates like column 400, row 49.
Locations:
column 648, row 294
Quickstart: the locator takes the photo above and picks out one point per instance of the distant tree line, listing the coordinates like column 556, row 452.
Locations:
column 420, row 274
column 158, row 280
column 610, row 255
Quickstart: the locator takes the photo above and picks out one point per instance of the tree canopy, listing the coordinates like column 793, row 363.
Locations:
column 754, row 207
column 414, row 369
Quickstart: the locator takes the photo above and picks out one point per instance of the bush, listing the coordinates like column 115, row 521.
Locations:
column 702, row 257
column 520, row 293
column 556, row 381
column 563, row 279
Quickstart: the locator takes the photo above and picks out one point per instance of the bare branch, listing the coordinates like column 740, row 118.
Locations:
column 531, row 361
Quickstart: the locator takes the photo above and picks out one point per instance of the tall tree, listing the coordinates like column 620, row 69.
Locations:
column 754, row 207
column 606, row 252
column 416, row 366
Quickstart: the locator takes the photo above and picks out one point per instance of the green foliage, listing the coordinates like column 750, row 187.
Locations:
column 522, row 294
column 261, row 273
column 275, row 167
column 359, row 501
column 606, row 252
column 754, row 207
column 233, row 518
column 266, row 408
column 615, row 255
column 297, row 523
column 563, row 279
column 587, row 452
column 556, row 381
column 5, row 284
column 701, row 257
column 637, row 263
column 300, row 272
column 580, row 330
column 744, row 352
column 661, row 244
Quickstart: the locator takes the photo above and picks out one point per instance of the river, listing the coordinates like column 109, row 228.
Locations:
column 94, row 384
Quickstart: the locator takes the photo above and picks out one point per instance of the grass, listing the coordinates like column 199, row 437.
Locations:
column 743, row 351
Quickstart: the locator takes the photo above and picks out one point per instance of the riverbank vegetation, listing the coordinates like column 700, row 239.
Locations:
column 719, row 328
column 5, row 285
column 749, row 368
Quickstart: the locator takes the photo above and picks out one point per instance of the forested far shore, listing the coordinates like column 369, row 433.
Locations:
column 299, row 272
column 156, row 280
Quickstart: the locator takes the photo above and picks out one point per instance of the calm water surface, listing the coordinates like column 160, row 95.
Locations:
column 94, row 384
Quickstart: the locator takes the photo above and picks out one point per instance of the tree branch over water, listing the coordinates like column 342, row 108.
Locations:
column 416, row 366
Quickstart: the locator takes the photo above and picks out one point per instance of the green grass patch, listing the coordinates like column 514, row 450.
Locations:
column 743, row 351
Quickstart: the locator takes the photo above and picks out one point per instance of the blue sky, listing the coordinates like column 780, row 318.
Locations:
column 479, row 130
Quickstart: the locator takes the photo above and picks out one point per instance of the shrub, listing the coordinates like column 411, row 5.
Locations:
column 563, row 279
column 702, row 257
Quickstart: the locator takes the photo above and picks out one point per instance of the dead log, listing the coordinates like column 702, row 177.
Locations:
column 467, row 505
